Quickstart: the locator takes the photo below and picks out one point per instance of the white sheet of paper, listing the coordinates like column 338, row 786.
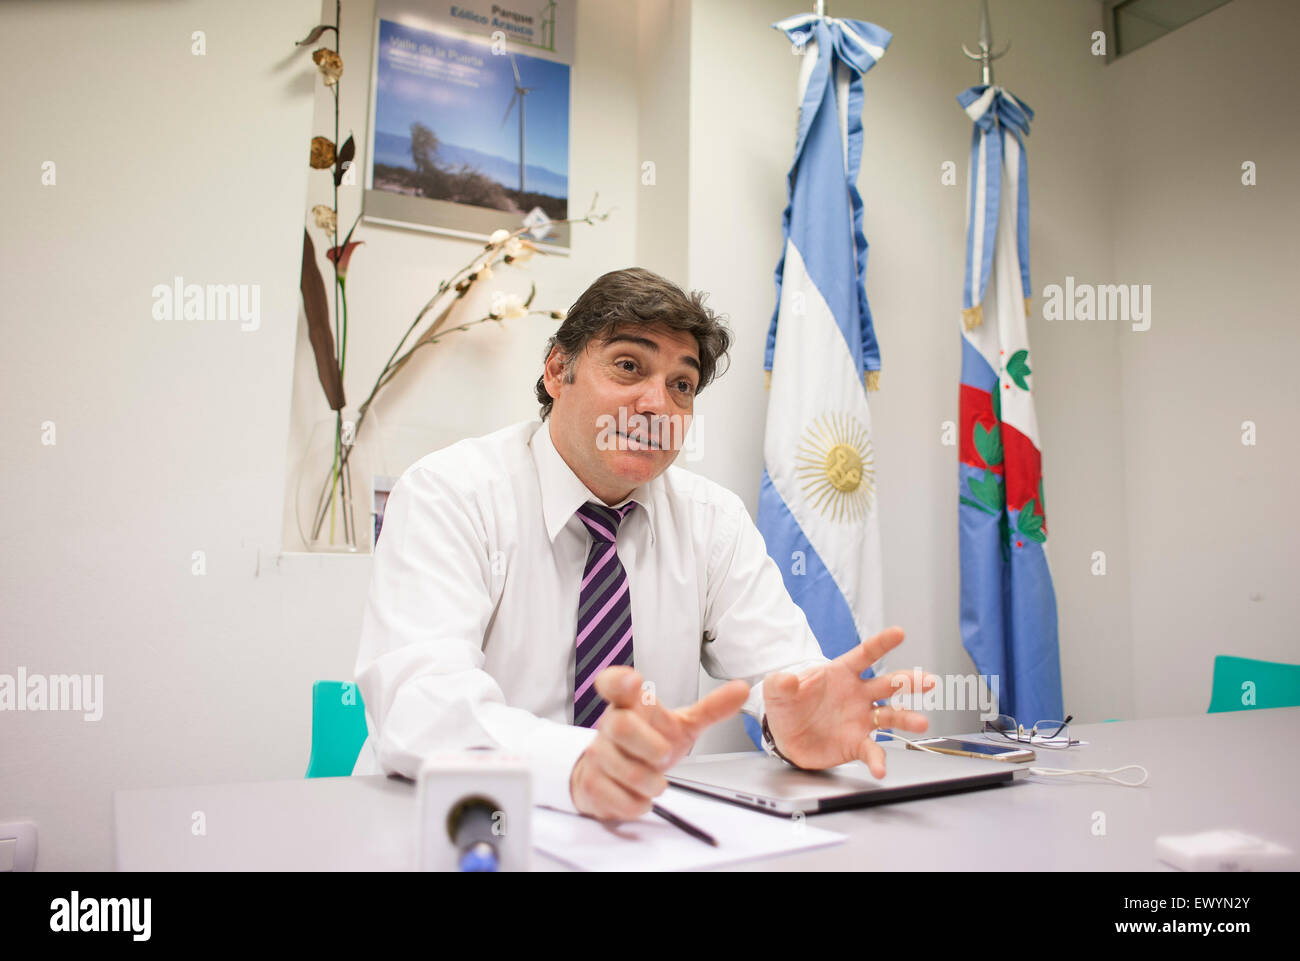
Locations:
column 652, row 844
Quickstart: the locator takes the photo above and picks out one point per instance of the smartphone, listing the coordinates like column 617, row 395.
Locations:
column 984, row 749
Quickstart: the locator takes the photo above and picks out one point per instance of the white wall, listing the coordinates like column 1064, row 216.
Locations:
column 1212, row 524
column 170, row 434
column 663, row 174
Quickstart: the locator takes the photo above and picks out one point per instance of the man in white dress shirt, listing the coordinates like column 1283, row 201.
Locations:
column 553, row 588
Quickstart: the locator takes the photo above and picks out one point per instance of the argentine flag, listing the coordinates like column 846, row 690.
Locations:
column 817, row 506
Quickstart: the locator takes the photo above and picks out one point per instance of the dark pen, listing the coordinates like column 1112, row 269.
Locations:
column 686, row 826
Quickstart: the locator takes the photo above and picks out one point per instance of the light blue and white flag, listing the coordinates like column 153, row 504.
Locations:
column 817, row 505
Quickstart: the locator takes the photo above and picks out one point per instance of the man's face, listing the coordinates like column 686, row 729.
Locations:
column 623, row 419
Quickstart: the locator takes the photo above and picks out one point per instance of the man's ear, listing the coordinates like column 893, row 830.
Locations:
column 553, row 372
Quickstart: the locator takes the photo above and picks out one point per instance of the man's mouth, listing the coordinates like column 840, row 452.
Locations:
column 638, row 442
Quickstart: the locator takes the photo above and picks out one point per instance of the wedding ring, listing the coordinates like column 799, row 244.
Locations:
column 875, row 717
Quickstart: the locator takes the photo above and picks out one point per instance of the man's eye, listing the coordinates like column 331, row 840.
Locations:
column 685, row 387
column 630, row 365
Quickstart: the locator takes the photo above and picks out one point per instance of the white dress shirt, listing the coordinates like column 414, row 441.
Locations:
column 468, row 637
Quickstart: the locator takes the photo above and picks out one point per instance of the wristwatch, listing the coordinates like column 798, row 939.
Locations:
column 769, row 745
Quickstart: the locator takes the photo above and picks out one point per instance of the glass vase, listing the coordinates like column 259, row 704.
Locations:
column 333, row 500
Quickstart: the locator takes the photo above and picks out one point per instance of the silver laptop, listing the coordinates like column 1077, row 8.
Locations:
column 768, row 784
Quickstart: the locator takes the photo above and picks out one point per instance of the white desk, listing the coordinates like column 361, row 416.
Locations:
column 1237, row 770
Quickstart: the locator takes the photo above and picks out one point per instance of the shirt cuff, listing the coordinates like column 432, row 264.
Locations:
column 753, row 705
column 552, row 752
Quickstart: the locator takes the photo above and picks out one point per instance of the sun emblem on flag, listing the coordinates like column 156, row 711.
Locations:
column 834, row 464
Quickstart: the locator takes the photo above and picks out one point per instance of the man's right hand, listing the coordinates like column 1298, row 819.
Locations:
column 621, row 771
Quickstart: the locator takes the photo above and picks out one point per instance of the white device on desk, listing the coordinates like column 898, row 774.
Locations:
column 770, row 785
column 1224, row 850
column 475, row 810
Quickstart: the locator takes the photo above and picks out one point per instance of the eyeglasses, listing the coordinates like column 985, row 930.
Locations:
column 1049, row 734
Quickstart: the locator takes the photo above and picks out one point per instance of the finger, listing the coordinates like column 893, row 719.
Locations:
column 901, row 720
column 613, row 802
column 634, row 774
column 624, row 688
column 779, row 686
column 646, row 704
column 618, row 685
column 715, row 706
column 635, row 736
column 873, row 755
column 872, row 649
column 899, row 683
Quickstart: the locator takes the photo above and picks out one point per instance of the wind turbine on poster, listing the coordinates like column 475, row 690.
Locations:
column 521, row 93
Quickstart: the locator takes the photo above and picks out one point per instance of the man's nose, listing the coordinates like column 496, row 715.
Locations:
column 653, row 399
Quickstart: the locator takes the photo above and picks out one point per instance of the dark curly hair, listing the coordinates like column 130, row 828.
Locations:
column 636, row 297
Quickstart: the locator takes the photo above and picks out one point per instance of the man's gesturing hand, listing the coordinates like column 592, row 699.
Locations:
column 826, row 717
column 621, row 771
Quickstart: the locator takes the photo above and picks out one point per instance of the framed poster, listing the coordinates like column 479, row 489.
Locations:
column 468, row 129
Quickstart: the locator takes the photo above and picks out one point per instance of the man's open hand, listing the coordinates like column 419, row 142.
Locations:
column 826, row 717
column 621, row 771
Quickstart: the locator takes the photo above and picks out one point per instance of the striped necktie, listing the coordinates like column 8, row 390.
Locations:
column 604, row 610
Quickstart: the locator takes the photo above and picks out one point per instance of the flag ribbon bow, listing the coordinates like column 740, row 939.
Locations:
column 857, row 45
column 994, row 111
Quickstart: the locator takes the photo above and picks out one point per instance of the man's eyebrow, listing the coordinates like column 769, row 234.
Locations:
column 651, row 345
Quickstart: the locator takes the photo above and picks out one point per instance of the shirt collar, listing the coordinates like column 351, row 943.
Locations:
column 563, row 493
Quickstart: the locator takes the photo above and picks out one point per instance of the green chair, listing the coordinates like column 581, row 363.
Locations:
column 1272, row 684
column 338, row 728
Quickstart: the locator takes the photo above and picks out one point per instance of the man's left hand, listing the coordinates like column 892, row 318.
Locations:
column 826, row 717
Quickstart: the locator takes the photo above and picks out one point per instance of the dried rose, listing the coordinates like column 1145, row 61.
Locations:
column 326, row 218
column 322, row 153
column 330, row 65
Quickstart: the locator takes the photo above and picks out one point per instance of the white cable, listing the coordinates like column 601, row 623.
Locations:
column 1104, row 773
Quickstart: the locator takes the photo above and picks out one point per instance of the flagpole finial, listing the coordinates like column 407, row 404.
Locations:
column 986, row 56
